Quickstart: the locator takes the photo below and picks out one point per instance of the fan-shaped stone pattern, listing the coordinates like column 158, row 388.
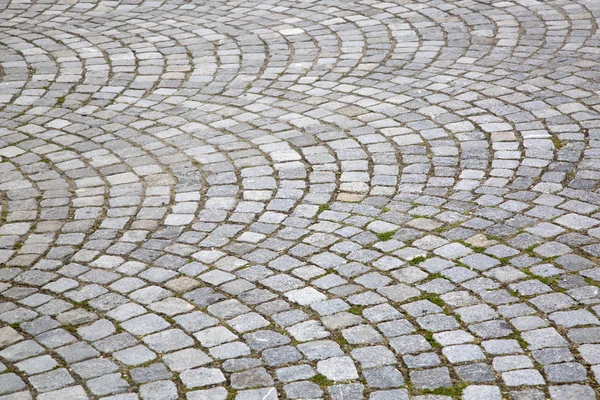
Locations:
column 325, row 200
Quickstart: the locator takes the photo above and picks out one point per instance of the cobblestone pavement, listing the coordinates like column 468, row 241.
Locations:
column 323, row 199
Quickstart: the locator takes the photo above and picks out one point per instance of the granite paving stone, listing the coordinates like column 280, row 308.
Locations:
column 216, row 200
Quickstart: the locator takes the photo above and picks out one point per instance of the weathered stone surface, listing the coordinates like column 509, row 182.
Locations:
column 269, row 200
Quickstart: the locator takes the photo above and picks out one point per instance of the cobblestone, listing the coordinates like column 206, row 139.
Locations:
column 286, row 200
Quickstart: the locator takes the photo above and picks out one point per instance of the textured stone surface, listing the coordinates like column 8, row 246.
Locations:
column 325, row 199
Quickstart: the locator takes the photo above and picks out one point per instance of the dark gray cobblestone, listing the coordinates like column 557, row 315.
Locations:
column 212, row 200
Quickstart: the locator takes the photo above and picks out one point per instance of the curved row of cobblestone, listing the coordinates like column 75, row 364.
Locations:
column 300, row 200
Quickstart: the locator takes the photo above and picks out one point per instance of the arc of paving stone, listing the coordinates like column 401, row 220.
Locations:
column 109, row 56
column 60, row 162
column 14, row 76
column 16, row 73
column 49, row 214
column 16, row 196
column 456, row 127
column 547, row 12
column 541, row 50
column 515, row 148
column 291, row 60
column 52, row 189
column 58, row 286
column 69, row 83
